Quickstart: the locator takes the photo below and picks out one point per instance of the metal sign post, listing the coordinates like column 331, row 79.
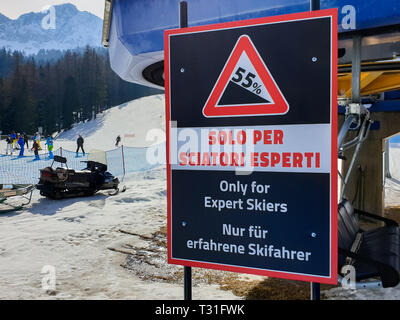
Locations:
column 315, row 287
column 187, row 273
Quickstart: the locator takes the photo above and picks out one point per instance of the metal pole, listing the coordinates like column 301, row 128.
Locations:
column 356, row 70
column 188, row 283
column 315, row 291
column 315, row 287
column 362, row 135
column 344, row 130
column 314, row 5
column 123, row 162
column 183, row 23
column 183, row 14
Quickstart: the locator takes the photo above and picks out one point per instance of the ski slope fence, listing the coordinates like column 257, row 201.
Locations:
column 120, row 161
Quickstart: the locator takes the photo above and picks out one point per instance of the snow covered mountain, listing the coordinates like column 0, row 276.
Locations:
column 3, row 18
column 61, row 27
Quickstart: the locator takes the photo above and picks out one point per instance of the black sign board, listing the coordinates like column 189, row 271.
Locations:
column 251, row 142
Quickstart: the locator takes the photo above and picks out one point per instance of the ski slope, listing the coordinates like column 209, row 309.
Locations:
column 83, row 239
column 134, row 121
column 100, row 134
column 140, row 123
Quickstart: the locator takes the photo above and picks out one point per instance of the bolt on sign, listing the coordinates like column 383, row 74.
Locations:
column 252, row 146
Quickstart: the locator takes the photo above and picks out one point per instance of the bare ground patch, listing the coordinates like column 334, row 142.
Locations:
column 393, row 213
column 147, row 259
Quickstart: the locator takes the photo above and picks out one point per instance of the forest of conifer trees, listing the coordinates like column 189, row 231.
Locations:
column 55, row 95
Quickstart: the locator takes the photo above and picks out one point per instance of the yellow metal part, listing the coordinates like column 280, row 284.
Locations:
column 372, row 82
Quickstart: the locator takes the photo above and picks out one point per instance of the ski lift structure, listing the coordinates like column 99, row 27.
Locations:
column 368, row 95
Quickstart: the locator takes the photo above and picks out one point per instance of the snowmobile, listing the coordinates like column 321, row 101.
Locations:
column 63, row 182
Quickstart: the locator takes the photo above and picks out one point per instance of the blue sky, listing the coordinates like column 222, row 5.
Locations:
column 395, row 139
column 14, row 8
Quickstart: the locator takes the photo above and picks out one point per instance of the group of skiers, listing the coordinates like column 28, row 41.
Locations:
column 17, row 141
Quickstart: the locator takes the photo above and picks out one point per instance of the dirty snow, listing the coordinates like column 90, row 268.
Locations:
column 78, row 238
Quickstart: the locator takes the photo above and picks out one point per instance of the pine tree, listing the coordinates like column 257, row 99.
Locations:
column 56, row 94
column 70, row 102
column 2, row 105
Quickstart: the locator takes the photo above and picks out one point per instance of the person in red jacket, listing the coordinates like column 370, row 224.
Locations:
column 36, row 149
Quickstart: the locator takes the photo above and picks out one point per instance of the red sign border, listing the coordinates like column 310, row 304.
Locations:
column 331, row 13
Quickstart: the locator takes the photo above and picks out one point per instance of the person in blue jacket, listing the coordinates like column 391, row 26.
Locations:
column 21, row 143
column 50, row 145
column 13, row 136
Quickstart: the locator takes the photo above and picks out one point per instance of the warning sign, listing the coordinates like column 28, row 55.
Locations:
column 245, row 86
column 252, row 146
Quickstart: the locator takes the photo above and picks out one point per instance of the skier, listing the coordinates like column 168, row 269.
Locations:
column 26, row 140
column 36, row 150
column 118, row 141
column 21, row 143
column 34, row 138
column 9, row 145
column 13, row 138
column 79, row 143
column 15, row 142
column 50, row 145
column 38, row 140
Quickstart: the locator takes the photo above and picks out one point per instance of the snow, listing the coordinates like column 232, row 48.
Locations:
column 126, row 120
column 82, row 238
column 392, row 185
column 75, row 237
column 106, row 247
column 363, row 294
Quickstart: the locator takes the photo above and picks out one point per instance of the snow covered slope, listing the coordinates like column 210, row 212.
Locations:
column 92, row 243
column 86, row 240
column 392, row 185
column 394, row 160
column 3, row 18
column 134, row 121
column 66, row 28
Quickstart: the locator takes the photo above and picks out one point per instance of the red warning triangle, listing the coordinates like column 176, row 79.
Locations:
column 245, row 86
